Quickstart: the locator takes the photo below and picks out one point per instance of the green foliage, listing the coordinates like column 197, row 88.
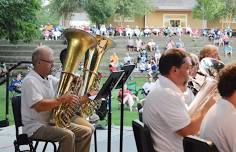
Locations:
column 100, row 11
column 229, row 11
column 208, row 9
column 64, row 8
column 3, row 105
column 18, row 19
column 131, row 8
column 43, row 17
column 215, row 10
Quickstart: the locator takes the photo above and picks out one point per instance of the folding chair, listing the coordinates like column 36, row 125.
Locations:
column 23, row 139
column 142, row 137
column 195, row 144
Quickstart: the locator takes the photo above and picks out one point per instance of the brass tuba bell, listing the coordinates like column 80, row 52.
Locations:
column 90, row 73
column 210, row 68
column 91, row 62
column 78, row 43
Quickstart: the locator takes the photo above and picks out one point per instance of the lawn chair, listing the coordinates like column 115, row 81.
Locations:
column 195, row 144
column 23, row 139
column 132, row 86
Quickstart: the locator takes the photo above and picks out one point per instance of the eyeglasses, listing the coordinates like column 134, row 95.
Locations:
column 50, row 62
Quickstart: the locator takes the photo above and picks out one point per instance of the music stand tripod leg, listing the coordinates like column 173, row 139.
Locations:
column 122, row 117
column 109, row 124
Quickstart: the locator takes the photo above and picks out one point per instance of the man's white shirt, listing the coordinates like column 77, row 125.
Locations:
column 164, row 114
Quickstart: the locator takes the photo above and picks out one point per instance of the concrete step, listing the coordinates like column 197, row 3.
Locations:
column 28, row 47
column 6, row 53
column 16, row 59
column 16, row 53
column 35, row 42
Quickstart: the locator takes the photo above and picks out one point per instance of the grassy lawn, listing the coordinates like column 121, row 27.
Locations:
column 3, row 104
column 128, row 116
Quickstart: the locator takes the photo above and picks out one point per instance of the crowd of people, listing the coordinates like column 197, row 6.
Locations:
column 128, row 31
column 53, row 32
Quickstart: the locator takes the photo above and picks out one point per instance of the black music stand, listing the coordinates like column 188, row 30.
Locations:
column 105, row 92
column 128, row 70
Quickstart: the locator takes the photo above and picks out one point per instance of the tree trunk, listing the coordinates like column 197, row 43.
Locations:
column 97, row 25
column 222, row 24
column 66, row 20
column 230, row 20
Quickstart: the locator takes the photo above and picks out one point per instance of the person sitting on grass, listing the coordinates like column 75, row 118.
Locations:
column 128, row 97
column 228, row 50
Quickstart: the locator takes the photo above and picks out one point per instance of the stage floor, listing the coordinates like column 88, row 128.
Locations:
column 7, row 136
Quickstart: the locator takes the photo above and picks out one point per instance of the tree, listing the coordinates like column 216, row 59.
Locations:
column 132, row 8
column 64, row 9
column 18, row 19
column 100, row 11
column 43, row 17
column 208, row 10
column 229, row 12
column 215, row 10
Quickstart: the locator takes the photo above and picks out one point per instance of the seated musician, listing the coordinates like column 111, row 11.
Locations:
column 210, row 51
column 219, row 122
column 192, row 83
column 164, row 111
column 38, row 101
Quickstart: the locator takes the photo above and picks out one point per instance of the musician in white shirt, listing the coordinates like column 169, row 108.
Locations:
column 220, row 121
column 164, row 111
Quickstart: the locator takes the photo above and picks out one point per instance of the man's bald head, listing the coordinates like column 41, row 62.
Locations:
column 40, row 52
column 43, row 60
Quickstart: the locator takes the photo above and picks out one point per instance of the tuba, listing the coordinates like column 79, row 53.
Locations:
column 90, row 74
column 210, row 68
column 78, row 43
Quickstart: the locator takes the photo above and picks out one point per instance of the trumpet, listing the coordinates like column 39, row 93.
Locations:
column 210, row 68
